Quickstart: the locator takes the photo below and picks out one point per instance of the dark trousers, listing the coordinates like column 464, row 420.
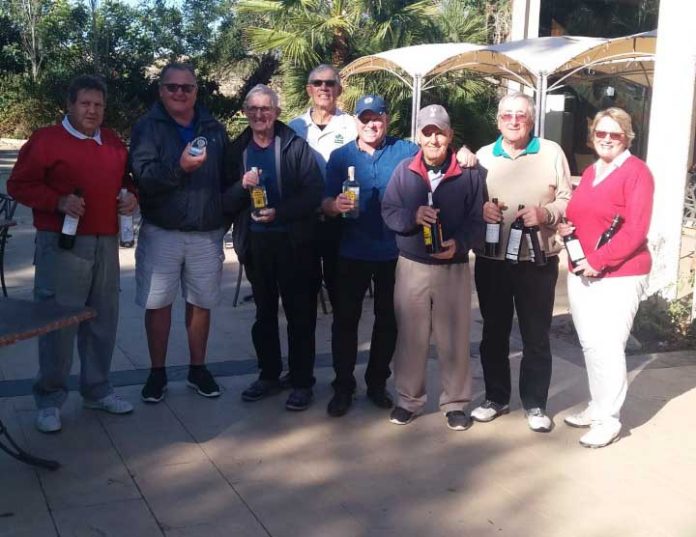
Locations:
column 353, row 278
column 279, row 268
column 503, row 288
column 327, row 242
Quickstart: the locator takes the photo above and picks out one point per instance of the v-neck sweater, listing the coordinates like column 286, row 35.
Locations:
column 626, row 191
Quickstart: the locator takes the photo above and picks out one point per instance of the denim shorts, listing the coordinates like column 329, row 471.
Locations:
column 165, row 257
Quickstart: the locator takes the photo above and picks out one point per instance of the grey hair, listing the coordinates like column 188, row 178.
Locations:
column 261, row 89
column 177, row 66
column 531, row 105
column 324, row 67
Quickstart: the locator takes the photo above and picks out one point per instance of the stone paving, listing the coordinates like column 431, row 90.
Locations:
column 196, row 467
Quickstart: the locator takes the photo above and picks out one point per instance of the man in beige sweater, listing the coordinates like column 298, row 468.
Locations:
column 522, row 170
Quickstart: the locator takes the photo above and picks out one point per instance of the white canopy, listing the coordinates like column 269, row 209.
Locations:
column 529, row 62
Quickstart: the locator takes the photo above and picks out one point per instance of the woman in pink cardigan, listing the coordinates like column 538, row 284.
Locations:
column 605, row 288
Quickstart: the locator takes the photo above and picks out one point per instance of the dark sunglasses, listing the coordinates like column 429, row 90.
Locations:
column 616, row 136
column 327, row 83
column 173, row 88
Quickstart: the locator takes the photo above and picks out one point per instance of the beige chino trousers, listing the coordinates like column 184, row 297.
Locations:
column 432, row 299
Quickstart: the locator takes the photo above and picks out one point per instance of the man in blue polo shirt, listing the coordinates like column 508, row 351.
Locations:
column 367, row 252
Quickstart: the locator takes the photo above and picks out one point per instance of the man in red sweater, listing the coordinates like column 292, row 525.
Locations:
column 76, row 169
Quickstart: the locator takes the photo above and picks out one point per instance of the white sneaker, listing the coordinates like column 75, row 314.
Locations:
column 538, row 421
column 601, row 434
column 112, row 403
column 48, row 420
column 488, row 411
column 579, row 419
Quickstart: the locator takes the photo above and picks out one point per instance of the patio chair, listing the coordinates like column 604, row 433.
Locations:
column 8, row 205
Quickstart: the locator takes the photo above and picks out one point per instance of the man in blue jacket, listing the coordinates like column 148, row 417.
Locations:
column 180, row 241
column 432, row 292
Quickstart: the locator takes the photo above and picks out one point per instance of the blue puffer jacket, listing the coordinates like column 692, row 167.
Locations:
column 169, row 197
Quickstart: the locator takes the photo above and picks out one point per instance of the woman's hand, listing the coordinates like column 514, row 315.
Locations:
column 583, row 268
column 565, row 228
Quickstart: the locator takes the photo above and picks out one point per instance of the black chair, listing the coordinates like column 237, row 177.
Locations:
column 8, row 205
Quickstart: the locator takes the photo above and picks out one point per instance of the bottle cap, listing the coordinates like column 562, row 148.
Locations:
column 197, row 146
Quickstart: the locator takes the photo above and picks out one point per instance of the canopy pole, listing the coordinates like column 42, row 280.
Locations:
column 537, row 103
column 541, row 113
column 415, row 105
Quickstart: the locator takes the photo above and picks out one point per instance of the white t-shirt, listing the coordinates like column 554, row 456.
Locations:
column 339, row 131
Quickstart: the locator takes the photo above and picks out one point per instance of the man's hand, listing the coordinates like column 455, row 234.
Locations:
column 343, row 204
column 249, row 179
column 127, row 204
column 466, row 158
column 426, row 215
column 532, row 216
column 583, row 268
column 189, row 163
column 72, row 205
column 450, row 248
column 264, row 216
column 492, row 213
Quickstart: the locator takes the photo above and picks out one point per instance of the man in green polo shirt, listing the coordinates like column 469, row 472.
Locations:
column 522, row 170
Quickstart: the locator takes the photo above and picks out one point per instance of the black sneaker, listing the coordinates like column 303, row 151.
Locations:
column 285, row 383
column 401, row 416
column 155, row 387
column 299, row 399
column 458, row 420
column 340, row 403
column 202, row 381
column 259, row 389
column 380, row 398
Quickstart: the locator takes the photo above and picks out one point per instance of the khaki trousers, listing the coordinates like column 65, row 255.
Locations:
column 432, row 299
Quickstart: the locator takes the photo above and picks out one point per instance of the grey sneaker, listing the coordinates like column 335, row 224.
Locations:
column 488, row 411
column 538, row 421
column 458, row 420
column 48, row 420
column 579, row 419
column 112, row 403
column 401, row 416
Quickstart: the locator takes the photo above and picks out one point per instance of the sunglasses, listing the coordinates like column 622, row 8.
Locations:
column 509, row 116
column 173, row 88
column 616, row 136
column 259, row 110
column 319, row 83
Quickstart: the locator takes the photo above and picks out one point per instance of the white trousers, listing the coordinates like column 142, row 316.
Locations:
column 603, row 310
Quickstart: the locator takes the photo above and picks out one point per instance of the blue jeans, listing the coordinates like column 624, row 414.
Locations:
column 87, row 275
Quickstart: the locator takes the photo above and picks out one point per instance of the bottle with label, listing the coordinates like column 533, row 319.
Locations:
column 610, row 232
column 259, row 199
column 125, row 223
column 573, row 247
column 351, row 189
column 432, row 233
column 537, row 254
column 67, row 234
column 491, row 248
column 514, row 243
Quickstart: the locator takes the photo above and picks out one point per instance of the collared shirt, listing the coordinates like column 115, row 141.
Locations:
column 602, row 170
column 532, row 147
column 79, row 135
column 339, row 131
column 367, row 237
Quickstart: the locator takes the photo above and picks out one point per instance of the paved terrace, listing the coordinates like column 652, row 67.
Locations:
column 196, row 467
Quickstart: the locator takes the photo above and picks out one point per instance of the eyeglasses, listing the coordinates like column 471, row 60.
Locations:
column 616, row 136
column 173, row 88
column 259, row 109
column 318, row 83
column 510, row 116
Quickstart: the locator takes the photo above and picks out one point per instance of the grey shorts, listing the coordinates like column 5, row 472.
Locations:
column 164, row 258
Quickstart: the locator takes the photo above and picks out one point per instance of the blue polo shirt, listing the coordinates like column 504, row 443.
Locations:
column 264, row 159
column 367, row 238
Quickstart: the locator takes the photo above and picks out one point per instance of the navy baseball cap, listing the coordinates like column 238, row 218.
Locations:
column 371, row 103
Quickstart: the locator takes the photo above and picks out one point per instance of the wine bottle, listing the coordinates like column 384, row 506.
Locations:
column 67, row 234
column 259, row 199
column 432, row 233
column 351, row 189
column 514, row 243
column 609, row 232
column 573, row 247
column 125, row 223
column 534, row 243
column 491, row 248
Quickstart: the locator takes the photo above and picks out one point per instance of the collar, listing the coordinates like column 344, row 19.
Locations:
column 618, row 161
column 532, row 147
column 310, row 121
column 381, row 146
column 418, row 166
column 79, row 135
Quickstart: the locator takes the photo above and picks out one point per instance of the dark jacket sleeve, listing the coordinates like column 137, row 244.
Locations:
column 301, row 165
column 470, row 234
column 152, row 172
column 234, row 197
column 396, row 213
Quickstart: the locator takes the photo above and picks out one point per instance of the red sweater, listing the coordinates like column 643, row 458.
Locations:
column 627, row 191
column 53, row 163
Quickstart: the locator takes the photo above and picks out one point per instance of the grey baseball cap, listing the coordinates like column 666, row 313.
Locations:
column 433, row 114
